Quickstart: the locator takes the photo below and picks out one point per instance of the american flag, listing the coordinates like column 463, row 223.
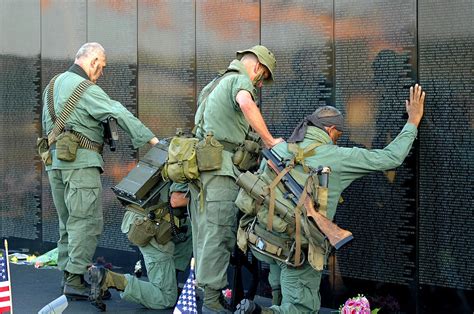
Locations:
column 187, row 300
column 5, row 294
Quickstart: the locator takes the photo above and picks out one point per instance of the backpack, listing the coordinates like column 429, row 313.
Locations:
column 181, row 166
column 265, row 201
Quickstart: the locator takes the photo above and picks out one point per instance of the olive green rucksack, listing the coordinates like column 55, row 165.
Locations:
column 181, row 166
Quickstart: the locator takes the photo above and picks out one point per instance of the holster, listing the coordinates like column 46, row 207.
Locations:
column 43, row 150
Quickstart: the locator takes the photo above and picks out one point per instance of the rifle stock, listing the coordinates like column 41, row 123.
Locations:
column 335, row 235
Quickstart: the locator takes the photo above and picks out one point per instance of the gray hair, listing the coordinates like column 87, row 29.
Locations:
column 90, row 49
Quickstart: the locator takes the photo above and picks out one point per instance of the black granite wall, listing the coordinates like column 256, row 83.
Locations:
column 413, row 250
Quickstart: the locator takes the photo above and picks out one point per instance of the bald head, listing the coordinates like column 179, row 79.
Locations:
column 91, row 57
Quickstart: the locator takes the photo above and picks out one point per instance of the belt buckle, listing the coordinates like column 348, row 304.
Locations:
column 260, row 244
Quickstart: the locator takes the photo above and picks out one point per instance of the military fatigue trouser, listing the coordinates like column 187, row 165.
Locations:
column 77, row 196
column 214, row 228
column 160, row 291
column 299, row 286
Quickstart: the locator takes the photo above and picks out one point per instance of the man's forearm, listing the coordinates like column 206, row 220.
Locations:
column 254, row 118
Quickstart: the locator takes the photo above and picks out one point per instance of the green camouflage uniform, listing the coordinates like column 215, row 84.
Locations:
column 161, row 261
column 213, row 212
column 300, row 286
column 76, row 185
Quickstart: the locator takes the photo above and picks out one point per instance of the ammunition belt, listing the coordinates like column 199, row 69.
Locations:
column 84, row 142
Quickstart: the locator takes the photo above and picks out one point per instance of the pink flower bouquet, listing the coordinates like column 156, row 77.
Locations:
column 357, row 305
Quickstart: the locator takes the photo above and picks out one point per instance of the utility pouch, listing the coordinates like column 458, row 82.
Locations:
column 43, row 150
column 242, row 235
column 163, row 232
column 209, row 153
column 317, row 256
column 181, row 166
column 246, row 203
column 141, row 231
column 66, row 146
column 246, row 156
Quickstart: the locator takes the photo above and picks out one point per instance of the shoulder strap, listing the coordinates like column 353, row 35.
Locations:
column 300, row 154
column 216, row 81
column 52, row 114
column 67, row 110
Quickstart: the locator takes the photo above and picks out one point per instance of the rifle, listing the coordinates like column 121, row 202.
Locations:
column 335, row 235
column 110, row 133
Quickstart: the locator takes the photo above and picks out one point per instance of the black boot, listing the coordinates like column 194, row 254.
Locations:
column 75, row 288
column 247, row 306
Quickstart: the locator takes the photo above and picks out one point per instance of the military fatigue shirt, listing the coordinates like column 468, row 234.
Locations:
column 93, row 107
column 349, row 164
column 222, row 114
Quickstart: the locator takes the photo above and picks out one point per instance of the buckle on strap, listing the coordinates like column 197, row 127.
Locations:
column 260, row 244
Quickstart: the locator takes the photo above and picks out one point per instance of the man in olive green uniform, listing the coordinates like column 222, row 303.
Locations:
column 161, row 262
column 300, row 285
column 227, row 111
column 76, row 185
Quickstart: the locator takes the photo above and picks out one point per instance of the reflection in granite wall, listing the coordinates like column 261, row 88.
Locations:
column 222, row 28
column 19, row 99
column 114, row 25
column 374, row 64
column 300, row 35
column 166, row 76
column 413, row 225
column 446, row 224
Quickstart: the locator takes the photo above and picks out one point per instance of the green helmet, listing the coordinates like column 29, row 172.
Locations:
column 264, row 56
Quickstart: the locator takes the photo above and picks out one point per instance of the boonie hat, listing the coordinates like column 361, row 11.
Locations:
column 264, row 56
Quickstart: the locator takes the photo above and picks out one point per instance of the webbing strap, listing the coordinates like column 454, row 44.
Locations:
column 208, row 92
column 298, row 207
column 301, row 154
column 271, row 188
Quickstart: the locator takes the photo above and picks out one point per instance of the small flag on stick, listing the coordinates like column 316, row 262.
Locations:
column 187, row 300
column 5, row 286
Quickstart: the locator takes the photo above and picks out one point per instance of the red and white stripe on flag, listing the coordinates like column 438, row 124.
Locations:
column 5, row 293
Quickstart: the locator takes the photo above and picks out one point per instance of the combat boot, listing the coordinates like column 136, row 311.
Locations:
column 100, row 280
column 214, row 302
column 75, row 288
column 247, row 306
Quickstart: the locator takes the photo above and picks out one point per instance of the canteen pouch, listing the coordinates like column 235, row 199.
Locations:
column 43, row 150
column 246, row 203
column 209, row 153
column 181, row 166
column 66, row 146
column 141, row 231
column 246, row 156
column 163, row 232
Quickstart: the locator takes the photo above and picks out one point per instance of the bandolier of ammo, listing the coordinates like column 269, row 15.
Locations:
column 60, row 122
